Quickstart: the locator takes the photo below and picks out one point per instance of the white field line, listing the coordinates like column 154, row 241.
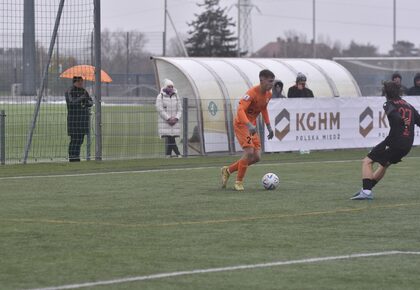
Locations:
column 177, row 169
column 224, row 269
column 165, row 170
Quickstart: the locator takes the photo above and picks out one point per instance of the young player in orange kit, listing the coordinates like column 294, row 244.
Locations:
column 251, row 105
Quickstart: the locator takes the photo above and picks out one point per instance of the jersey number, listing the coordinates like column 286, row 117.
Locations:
column 406, row 115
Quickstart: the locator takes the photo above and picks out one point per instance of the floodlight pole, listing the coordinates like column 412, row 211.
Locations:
column 29, row 50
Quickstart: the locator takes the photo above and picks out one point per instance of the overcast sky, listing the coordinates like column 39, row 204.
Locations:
column 364, row 21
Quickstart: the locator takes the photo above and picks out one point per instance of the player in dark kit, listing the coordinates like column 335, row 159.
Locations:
column 401, row 117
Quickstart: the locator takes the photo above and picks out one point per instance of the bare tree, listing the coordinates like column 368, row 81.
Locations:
column 123, row 51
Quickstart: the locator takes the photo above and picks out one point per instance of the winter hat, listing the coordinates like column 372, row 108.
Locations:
column 300, row 77
column 167, row 82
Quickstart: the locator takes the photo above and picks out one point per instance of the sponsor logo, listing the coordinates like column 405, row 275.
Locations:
column 212, row 108
column 282, row 124
column 321, row 121
column 366, row 122
column 306, row 123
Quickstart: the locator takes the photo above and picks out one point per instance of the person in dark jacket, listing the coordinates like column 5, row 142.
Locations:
column 396, row 78
column 415, row 90
column 299, row 90
column 78, row 116
column 277, row 90
column 402, row 118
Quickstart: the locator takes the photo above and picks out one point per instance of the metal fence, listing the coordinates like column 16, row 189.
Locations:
column 129, row 130
column 39, row 40
column 370, row 72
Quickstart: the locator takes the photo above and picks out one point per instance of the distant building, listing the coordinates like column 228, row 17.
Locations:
column 273, row 49
column 295, row 48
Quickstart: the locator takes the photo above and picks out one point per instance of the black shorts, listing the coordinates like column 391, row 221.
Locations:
column 387, row 155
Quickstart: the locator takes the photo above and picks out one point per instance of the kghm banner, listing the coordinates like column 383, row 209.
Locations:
column 317, row 124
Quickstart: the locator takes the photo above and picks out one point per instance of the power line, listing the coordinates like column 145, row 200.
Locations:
column 337, row 22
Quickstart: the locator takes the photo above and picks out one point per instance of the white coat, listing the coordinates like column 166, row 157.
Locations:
column 167, row 107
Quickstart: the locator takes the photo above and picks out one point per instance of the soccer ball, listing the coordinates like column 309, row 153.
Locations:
column 270, row 181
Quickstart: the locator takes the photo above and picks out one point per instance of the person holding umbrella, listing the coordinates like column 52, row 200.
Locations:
column 78, row 116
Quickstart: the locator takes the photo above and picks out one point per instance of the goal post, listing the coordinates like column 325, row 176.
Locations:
column 43, row 80
column 39, row 40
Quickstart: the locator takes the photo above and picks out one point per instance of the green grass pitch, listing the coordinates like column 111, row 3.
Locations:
column 127, row 132
column 64, row 224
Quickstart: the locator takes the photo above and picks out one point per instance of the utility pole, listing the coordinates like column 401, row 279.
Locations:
column 180, row 41
column 239, row 28
column 395, row 28
column 313, row 29
column 164, row 28
column 245, row 27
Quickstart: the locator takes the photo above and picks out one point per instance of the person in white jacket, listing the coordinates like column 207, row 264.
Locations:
column 169, row 107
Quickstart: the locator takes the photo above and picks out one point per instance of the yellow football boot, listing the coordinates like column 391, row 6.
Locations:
column 225, row 175
column 239, row 186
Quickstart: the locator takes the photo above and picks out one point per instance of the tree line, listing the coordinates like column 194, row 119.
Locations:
column 211, row 34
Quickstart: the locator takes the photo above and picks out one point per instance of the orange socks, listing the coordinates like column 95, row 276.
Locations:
column 242, row 167
column 233, row 167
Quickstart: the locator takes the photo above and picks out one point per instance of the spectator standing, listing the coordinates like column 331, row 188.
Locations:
column 169, row 107
column 78, row 116
column 299, row 90
column 415, row 90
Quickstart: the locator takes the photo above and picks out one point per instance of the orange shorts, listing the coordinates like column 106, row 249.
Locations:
column 245, row 139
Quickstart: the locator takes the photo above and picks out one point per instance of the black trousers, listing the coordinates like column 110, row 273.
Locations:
column 170, row 145
column 76, row 141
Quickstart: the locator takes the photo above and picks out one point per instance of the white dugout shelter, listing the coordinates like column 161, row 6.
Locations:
column 214, row 87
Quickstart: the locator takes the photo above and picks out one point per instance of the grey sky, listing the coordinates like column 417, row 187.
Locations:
column 364, row 21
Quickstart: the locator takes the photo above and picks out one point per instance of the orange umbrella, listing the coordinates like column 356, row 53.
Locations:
column 87, row 72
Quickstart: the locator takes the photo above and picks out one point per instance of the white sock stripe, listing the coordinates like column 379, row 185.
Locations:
column 224, row 269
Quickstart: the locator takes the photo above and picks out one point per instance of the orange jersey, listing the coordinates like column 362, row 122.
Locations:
column 251, row 105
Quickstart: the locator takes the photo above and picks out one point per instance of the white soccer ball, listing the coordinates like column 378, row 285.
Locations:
column 270, row 181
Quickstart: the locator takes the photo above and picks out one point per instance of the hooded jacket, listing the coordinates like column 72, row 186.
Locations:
column 414, row 90
column 275, row 93
column 168, row 106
